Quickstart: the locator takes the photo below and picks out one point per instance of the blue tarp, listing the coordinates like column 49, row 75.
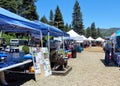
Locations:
column 66, row 34
column 53, row 30
column 12, row 22
column 15, row 23
column 117, row 33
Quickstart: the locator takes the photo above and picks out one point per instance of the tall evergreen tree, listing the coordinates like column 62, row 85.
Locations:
column 51, row 18
column 93, row 30
column 88, row 32
column 66, row 27
column 98, row 33
column 44, row 20
column 77, row 19
column 25, row 8
column 70, row 26
column 29, row 10
column 19, row 7
column 10, row 5
column 58, row 19
column 82, row 31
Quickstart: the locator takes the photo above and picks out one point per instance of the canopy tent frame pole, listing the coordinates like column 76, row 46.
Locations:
column 63, row 46
column 28, row 36
column 1, row 33
column 41, row 38
column 63, row 43
column 49, row 39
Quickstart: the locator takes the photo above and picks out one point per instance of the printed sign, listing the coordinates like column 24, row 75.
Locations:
column 41, row 63
column 36, row 62
column 46, row 62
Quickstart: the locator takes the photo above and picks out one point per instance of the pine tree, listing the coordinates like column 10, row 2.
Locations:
column 44, row 20
column 25, row 8
column 29, row 10
column 98, row 33
column 51, row 18
column 10, row 5
column 19, row 7
column 77, row 19
column 70, row 26
column 66, row 27
column 58, row 19
column 93, row 30
column 82, row 31
column 88, row 32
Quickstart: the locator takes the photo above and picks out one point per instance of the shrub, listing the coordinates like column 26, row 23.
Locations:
column 25, row 49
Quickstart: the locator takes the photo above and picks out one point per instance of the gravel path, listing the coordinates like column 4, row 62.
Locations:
column 87, row 70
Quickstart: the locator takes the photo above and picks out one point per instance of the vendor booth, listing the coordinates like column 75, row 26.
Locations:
column 115, row 39
column 99, row 41
column 79, row 39
column 10, row 22
column 91, row 41
column 58, row 58
column 37, row 61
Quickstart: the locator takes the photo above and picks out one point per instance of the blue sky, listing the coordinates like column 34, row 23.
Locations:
column 105, row 13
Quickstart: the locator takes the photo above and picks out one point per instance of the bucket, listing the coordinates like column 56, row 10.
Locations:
column 69, row 55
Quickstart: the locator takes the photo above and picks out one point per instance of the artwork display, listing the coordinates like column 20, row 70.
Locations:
column 46, row 63
column 41, row 62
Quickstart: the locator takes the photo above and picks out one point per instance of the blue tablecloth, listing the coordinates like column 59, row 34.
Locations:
column 27, row 56
column 3, row 55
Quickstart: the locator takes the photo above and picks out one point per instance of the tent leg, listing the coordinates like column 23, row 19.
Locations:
column 1, row 34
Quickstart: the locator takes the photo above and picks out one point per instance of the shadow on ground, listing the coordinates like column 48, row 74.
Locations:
column 17, row 79
column 111, row 64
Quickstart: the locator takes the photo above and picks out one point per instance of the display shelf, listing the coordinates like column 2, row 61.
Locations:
column 25, row 72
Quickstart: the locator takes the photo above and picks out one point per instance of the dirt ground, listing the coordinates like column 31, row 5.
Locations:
column 88, row 69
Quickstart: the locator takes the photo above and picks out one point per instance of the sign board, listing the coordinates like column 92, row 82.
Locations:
column 41, row 63
column 46, row 63
column 36, row 62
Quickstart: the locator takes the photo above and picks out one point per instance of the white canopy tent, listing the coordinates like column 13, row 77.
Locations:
column 90, row 39
column 75, row 36
column 84, row 38
column 100, row 39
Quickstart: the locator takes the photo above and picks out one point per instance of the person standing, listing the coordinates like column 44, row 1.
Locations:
column 112, row 50
column 66, row 45
column 108, row 48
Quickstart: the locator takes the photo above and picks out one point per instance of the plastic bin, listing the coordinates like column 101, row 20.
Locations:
column 73, row 53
